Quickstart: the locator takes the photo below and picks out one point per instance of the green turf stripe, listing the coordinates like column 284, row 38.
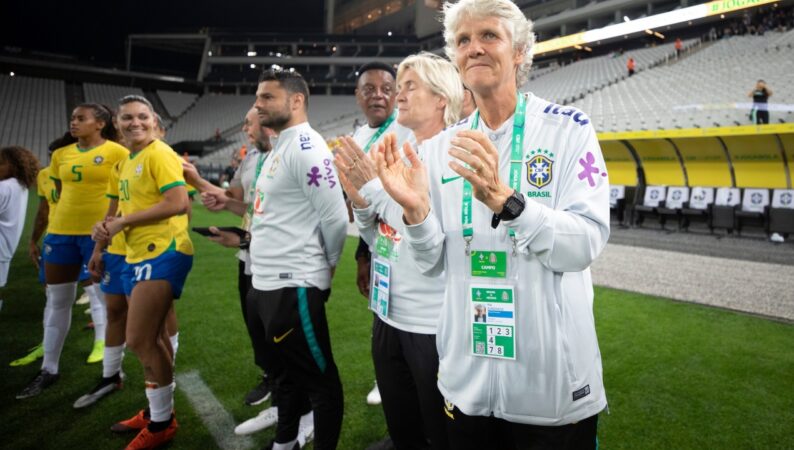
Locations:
column 308, row 329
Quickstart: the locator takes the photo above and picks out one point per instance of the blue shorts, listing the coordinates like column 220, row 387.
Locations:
column 113, row 278
column 171, row 266
column 67, row 249
column 84, row 275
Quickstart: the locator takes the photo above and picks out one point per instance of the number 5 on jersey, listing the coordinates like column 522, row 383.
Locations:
column 78, row 174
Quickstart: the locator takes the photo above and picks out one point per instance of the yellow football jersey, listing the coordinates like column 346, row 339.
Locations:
column 47, row 191
column 118, row 246
column 143, row 177
column 84, row 176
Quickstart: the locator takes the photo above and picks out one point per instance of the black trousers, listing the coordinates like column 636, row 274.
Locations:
column 292, row 325
column 406, row 367
column 479, row 432
column 243, row 286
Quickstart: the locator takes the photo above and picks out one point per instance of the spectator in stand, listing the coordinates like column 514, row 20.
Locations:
column 678, row 46
column 630, row 65
column 760, row 95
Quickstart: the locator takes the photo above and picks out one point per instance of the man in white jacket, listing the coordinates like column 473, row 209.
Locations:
column 298, row 229
column 518, row 196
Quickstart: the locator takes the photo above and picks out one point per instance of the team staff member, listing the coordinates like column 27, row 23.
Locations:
column 297, row 234
column 246, row 175
column 429, row 98
column 506, row 202
column 375, row 94
column 242, row 187
column 153, row 203
column 80, row 171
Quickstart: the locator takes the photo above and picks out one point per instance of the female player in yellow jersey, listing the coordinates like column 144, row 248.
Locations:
column 80, row 171
column 153, row 203
column 107, row 265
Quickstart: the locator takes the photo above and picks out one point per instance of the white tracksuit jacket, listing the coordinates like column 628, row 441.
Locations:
column 556, row 378
column 300, row 221
column 414, row 299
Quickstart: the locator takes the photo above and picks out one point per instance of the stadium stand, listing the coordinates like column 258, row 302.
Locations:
column 34, row 113
column 108, row 94
column 571, row 82
column 210, row 112
column 701, row 90
column 333, row 115
column 176, row 103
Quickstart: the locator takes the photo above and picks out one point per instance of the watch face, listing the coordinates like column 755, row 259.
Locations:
column 513, row 207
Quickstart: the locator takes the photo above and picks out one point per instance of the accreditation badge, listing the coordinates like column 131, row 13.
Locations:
column 387, row 243
column 493, row 320
column 381, row 282
column 488, row 264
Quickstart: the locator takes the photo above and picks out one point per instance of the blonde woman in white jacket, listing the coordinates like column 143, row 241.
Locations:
column 406, row 303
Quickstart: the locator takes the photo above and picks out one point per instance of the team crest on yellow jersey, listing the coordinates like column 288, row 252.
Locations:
column 98, row 160
column 139, row 170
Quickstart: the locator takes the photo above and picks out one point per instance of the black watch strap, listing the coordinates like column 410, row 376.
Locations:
column 245, row 241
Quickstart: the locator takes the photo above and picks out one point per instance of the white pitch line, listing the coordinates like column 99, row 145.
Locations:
column 219, row 422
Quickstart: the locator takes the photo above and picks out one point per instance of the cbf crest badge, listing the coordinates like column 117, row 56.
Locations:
column 139, row 170
column 539, row 168
column 98, row 160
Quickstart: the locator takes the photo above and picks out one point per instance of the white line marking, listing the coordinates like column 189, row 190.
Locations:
column 219, row 422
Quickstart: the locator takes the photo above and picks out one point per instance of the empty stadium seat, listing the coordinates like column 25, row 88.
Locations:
column 753, row 210
column 724, row 209
column 781, row 212
column 654, row 198
column 676, row 200
column 701, row 200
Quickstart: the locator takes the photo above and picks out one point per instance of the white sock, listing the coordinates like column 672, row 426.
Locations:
column 174, row 345
column 99, row 313
column 285, row 445
column 111, row 363
column 60, row 299
column 47, row 306
column 307, row 421
column 161, row 402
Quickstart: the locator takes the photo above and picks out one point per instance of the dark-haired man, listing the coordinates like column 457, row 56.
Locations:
column 376, row 93
column 297, row 233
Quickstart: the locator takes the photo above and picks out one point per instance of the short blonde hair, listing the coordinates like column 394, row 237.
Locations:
column 441, row 77
column 516, row 23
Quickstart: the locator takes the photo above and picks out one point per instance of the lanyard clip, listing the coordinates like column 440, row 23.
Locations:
column 468, row 244
column 515, row 245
